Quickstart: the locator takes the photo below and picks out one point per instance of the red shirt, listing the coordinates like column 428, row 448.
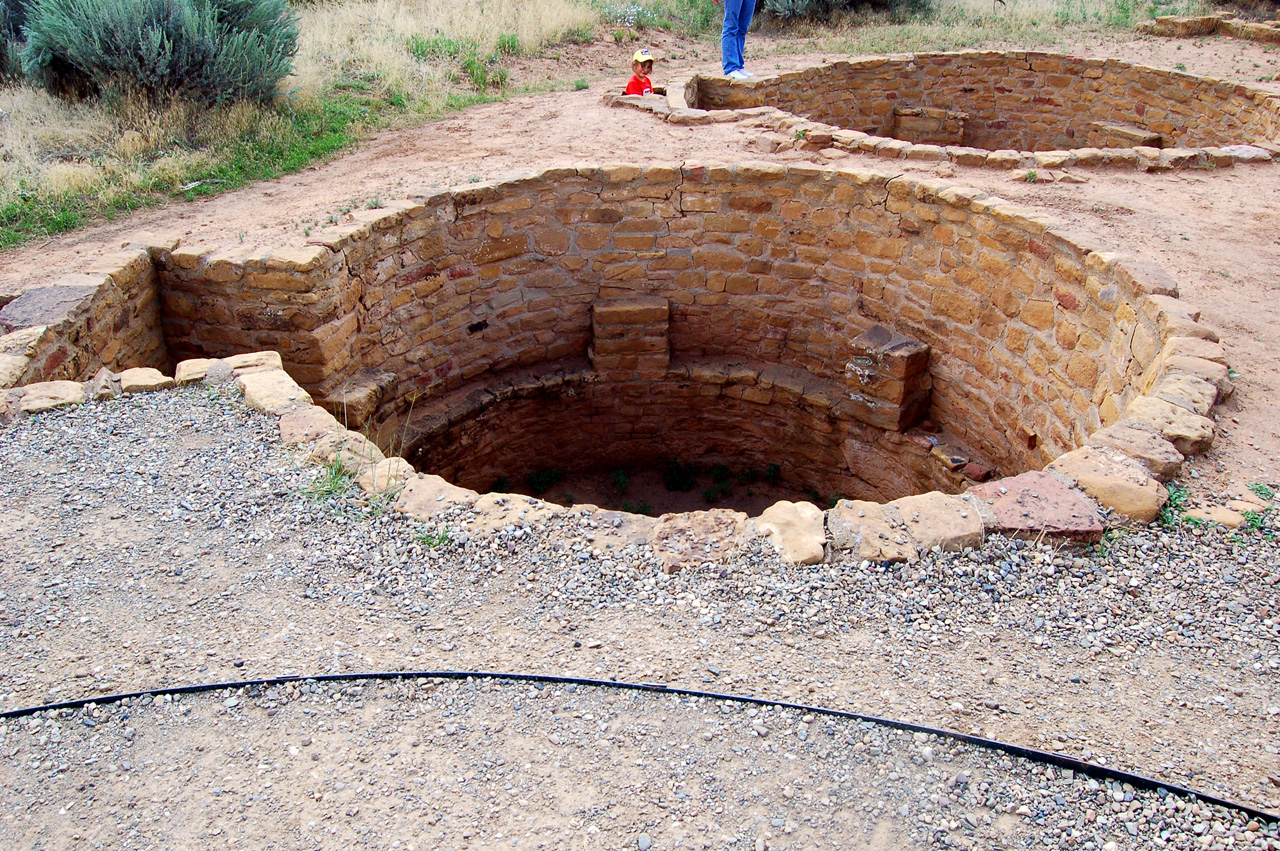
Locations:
column 639, row 86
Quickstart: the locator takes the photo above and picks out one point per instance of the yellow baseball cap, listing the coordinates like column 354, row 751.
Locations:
column 642, row 56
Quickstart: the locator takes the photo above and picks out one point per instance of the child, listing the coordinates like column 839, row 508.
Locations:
column 642, row 66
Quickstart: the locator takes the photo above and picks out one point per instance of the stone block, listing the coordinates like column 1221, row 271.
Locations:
column 303, row 425
column 696, row 537
column 1037, row 503
column 272, row 391
column 938, row 520
column 1145, row 445
column 386, row 476
column 796, row 530
column 868, row 531
column 426, row 496
column 632, row 310
column 46, row 306
column 351, row 450
column 1190, row 433
column 356, row 400
column 1114, row 479
column 12, row 368
column 495, row 511
column 896, row 354
column 189, row 371
column 1217, row 374
column 252, row 361
column 1187, row 391
column 46, row 395
column 1217, row 514
column 144, row 379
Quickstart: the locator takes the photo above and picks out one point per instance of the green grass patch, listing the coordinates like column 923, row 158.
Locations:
column 1171, row 513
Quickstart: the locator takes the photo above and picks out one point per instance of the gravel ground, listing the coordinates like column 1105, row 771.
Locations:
column 431, row 764
column 170, row 539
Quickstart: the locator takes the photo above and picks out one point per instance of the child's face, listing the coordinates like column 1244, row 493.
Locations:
column 642, row 69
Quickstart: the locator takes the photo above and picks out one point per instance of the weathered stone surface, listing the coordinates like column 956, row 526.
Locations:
column 1187, row 391
column 1038, row 503
column 24, row 342
column 189, row 371
column 355, row 400
column 496, row 510
column 938, row 520
column 425, row 496
column 630, row 310
column 254, row 362
column 386, row 476
column 1217, row 514
column 869, row 532
column 796, row 530
column 46, row 395
column 1145, row 445
column 696, row 537
column 105, row 385
column 1115, row 480
column 351, row 450
column 144, row 379
column 303, row 425
column 45, row 306
column 219, row 372
column 1252, row 503
column 1191, row 434
column 12, row 368
column 272, row 391
column 630, row 528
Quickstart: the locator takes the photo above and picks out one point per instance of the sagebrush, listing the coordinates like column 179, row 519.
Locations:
column 209, row 51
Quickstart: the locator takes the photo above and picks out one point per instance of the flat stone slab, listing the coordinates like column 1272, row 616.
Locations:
column 303, row 425
column 1144, row 445
column 1217, row 514
column 251, row 362
column 937, row 520
column 144, row 379
column 44, row 306
column 796, row 530
column 272, row 391
column 1190, row 433
column 1115, row 480
column 47, row 395
column 190, row 371
column 1038, row 503
column 869, row 532
column 12, row 368
column 696, row 537
column 497, row 510
column 386, row 476
column 1187, row 391
column 351, row 450
column 424, row 497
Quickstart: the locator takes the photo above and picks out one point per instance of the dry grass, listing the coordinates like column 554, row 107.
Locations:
column 369, row 40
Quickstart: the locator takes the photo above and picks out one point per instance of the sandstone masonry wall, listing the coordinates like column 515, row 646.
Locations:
column 1023, row 101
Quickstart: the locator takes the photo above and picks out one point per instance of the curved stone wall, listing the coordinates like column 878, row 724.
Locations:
column 1014, row 100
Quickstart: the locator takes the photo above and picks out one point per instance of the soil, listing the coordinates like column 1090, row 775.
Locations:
column 1170, row 710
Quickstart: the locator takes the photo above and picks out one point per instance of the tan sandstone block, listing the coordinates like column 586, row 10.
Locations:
column 937, row 520
column 497, row 510
column 144, row 379
column 272, row 391
column 12, row 368
column 424, row 497
column 386, row 476
column 796, row 530
column 1146, row 446
column 46, row 395
column 695, row 537
column 1187, row 391
column 303, row 425
column 254, row 361
column 351, row 450
column 189, row 371
column 1190, row 433
column 867, row 531
column 1114, row 479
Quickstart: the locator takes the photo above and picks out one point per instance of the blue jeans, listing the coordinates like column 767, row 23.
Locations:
column 733, row 38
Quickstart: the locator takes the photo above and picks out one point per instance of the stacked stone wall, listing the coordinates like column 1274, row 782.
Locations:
column 1022, row 101
column 1036, row 340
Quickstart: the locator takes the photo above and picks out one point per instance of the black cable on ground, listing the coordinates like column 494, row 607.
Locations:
column 1097, row 772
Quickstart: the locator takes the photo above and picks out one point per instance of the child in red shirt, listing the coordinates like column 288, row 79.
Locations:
column 642, row 66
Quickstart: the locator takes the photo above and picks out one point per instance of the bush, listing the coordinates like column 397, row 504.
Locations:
column 820, row 9
column 207, row 50
column 13, row 14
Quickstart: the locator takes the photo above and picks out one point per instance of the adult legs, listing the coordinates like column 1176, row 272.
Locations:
column 733, row 38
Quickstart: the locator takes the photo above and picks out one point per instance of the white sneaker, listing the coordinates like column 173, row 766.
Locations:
column 747, row 73
column 739, row 75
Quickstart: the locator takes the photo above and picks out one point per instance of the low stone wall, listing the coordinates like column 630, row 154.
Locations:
column 771, row 275
column 1022, row 101
column 1221, row 23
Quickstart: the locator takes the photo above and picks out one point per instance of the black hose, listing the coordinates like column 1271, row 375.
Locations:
column 1097, row 772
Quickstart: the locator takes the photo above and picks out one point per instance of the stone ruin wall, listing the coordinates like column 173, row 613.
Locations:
column 1036, row 340
column 1013, row 100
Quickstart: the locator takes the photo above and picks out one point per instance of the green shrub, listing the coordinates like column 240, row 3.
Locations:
column 820, row 9
column 13, row 14
column 435, row 47
column 508, row 45
column 211, row 51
